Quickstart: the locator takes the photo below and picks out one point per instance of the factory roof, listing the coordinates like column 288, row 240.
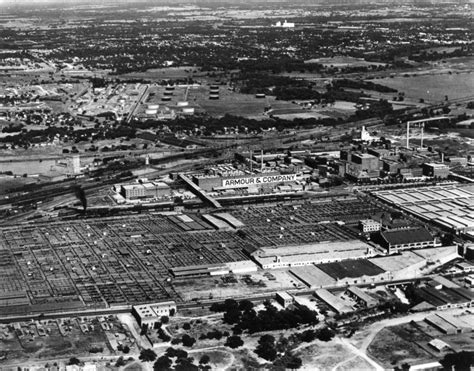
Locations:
column 317, row 252
column 312, row 276
column 314, row 248
column 362, row 295
column 397, row 262
column 407, row 236
column 233, row 221
column 333, row 301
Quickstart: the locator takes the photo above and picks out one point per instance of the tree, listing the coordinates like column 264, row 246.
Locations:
column 120, row 362
column 178, row 353
column 266, row 348
column 74, row 361
column 234, row 342
column 325, row 334
column 205, row 359
column 163, row 363
column 188, row 341
column 245, row 305
column 126, row 349
column 186, row 326
column 459, row 361
column 185, row 364
column 165, row 319
column 147, row 355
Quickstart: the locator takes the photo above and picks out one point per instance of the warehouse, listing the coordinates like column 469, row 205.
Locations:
column 236, row 267
column 395, row 240
column 362, row 297
column 450, row 207
column 441, row 324
column 338, row 305
column 300, row 255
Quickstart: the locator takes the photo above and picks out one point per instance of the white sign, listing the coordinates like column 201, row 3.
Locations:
column 256, row 181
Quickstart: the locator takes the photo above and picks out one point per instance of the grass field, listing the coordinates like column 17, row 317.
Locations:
column 432, row 88
column 397, row 345
column 233, row 103
column 341, row 61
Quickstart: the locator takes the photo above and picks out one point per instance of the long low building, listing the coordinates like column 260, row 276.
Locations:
column 338, row 305
column 403, row 239
column 407, row 265
column 300, row 255
column 244, row 266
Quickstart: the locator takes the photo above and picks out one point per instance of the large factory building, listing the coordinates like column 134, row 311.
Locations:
column 241, row 179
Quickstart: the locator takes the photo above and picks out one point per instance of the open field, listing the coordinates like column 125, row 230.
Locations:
column 233, row 103
column 342, row 61
column 319, row 355
column 432, row 88
column 397, row 345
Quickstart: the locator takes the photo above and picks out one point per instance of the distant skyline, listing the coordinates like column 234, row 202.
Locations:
column 155, row 2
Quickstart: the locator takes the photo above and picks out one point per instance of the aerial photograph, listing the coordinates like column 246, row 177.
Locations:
column 236, row 185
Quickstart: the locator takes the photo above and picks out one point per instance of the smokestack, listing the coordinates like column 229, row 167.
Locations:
column 442, row 157
column 408, row 134
column 422, row 127
column 81, row 196
column 261, row 160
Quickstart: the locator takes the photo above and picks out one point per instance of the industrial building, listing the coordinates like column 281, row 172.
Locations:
column 449, row 325
column 362, row 297
column 446, row 298
column 450, row 206
column 300, row 255
column 435, row 170
column 284, row 299
column 237, row 267
column 145, row 190
column 151, row 313
column 240, row 179
column 337, row 304
column 370, row 225
column 407, row 265
column 413, row 238
column 412, row 264
column 361, row 165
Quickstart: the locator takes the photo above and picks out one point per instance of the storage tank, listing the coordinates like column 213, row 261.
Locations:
column 153, row 106
column 168, row 92
column 214, row 96
column 166, row 99
column 169, row 88
column 182, row 104
column 151, row 112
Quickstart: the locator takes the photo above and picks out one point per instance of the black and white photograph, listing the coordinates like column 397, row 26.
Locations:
column 236, row 185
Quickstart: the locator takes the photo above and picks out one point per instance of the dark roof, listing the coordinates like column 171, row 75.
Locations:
column 406, row 236
column 350, row 269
